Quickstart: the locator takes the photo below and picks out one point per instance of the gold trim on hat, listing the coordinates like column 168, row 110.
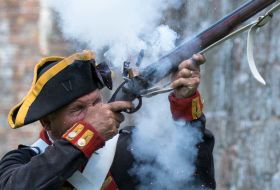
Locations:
column 37, row 85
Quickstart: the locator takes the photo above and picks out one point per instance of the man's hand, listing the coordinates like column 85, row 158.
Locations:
column 106, row 118
column 187, row 78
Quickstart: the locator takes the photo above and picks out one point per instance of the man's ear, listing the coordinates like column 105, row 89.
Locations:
column 46, row 123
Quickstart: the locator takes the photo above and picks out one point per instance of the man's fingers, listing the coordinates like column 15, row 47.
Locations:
column 199, row 58
column 190, row 64
column 185, row 64
column 193, row 63
column 186, row 73
column 120, row 106
column 190, row 82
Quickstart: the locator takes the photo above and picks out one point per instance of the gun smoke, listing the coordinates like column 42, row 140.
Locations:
column 121, row 27
column 165, row 150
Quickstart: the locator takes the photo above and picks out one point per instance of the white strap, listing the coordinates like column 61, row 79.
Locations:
column 250, row 54
column 97, row 168
column 42, row 145
column 80, row 182
column 100, row 163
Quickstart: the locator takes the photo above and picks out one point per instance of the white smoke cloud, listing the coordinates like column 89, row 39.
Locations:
column 123, row 26
column 160, row 41
column 165, row 150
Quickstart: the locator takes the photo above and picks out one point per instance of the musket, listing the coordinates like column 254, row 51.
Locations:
column 132, row 88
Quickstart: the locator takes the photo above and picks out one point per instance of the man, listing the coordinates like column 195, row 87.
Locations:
column 65, row 97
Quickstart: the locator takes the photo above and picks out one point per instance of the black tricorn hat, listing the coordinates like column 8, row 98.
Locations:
column 57, row 82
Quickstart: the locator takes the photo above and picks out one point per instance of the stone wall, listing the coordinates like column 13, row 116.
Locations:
column 18, row 53
column 22, row 43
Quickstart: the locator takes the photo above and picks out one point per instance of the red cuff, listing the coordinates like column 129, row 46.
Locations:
column 83, row 136
column 186, row 108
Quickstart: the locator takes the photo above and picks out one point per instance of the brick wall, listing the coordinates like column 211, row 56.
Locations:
column 23, row 39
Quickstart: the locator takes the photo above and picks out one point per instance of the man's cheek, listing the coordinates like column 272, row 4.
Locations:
column 75, row 118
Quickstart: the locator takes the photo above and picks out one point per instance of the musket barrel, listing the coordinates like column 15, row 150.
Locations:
column 168, row 63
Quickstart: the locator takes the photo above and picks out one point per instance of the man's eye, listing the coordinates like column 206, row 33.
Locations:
column 97, row 101
column 77, row 109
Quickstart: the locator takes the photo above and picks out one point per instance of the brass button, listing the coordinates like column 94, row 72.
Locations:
column 72, row 134
column 82, row 142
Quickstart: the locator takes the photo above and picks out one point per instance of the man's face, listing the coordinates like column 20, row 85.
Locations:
column 60, row 121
